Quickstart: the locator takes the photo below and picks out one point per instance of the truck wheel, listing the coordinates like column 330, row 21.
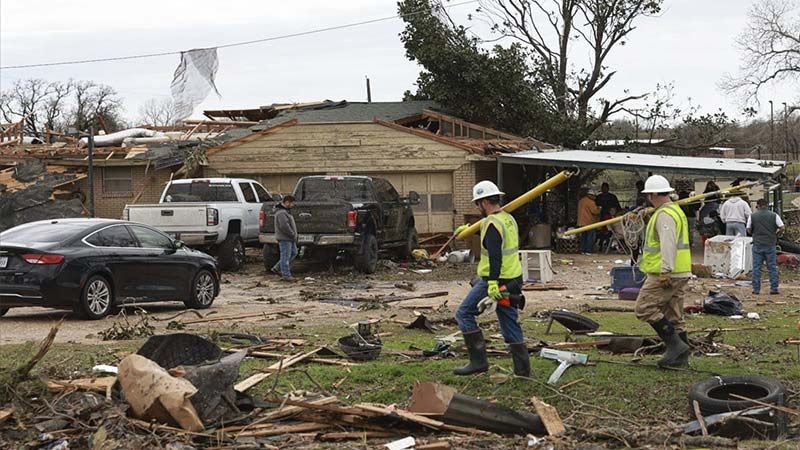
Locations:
column 366, row 260
column 231, row 253
column 204, row 289
column 411, row 243
column 271, row 256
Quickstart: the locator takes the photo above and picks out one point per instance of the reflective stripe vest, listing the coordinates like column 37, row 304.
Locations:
column 505, row 224
column 651, row 259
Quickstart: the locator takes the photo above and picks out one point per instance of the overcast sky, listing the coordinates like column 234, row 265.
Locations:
column 690, row 44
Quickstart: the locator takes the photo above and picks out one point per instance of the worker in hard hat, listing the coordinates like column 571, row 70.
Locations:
column 499, row 277
column 667, row 261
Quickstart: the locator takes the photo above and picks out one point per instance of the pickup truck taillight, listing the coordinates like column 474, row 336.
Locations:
column 43, row 258
column 351, row 219
column 126, row 214
column 262, row 219
column 212, row 216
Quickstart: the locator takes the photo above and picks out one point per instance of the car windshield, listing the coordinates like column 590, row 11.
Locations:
column 200, row 192
column 47, row 232
column 327, row 189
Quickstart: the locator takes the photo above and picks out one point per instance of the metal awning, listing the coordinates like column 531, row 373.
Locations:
column 684, row 165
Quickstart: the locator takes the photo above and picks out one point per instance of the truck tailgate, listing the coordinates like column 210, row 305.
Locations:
column 170, row 216
column 317, row 218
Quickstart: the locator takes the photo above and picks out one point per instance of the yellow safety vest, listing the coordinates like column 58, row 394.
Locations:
column 505, row 224
column 651, row 253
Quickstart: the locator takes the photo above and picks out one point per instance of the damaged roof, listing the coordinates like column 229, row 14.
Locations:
column 345, row 111
column 687, row 165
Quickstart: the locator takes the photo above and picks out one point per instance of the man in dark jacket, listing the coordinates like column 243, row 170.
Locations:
column 286, row 235
column 765, row 226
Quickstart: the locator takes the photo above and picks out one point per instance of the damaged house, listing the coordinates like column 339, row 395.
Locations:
column 411, row 144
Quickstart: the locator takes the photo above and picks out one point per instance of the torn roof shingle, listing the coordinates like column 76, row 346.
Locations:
column 345, row 111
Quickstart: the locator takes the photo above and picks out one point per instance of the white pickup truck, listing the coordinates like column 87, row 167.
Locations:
column 218, row 215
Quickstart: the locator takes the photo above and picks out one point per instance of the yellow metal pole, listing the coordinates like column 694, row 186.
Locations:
column 521, row 200
column 680, row 202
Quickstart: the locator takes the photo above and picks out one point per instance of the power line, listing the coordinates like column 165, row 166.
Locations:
column 235, row 44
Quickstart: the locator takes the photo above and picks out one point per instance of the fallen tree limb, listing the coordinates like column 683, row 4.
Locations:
column 22, row 372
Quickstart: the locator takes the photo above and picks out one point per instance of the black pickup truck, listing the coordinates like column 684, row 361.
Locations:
column 358, row 215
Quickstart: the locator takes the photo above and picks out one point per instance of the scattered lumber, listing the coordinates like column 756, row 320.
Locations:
column 253, row 380
column 549, row 417
column 276, row 430
column 265, row 314
column 543, row 287
column 358, row 435
column 100, row 384
column 270, row 355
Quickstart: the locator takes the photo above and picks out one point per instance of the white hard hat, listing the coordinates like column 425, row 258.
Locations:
column 485, row 189
column 656, row 184
column 591, row 192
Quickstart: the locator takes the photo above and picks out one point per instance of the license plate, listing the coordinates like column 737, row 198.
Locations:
column 305, row 238
column 3, row 262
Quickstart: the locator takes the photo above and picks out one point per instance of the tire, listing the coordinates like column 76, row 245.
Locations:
column 3, row 311
column 231, row 253
column 411, row 243
column 204, row 290
column 97, row 299
column 271, row 256
column 788, row 246
column 575, row 323
column 366, row 260
column 712, row 394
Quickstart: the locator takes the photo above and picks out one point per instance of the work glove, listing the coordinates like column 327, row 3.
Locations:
column 665, row 280
column 460, row 229
column 493, row 290
column 487, row 305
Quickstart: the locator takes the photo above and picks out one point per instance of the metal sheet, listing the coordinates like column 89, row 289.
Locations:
column 639, row 161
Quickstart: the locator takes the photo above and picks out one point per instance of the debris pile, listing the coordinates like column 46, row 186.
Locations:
column 33, row 191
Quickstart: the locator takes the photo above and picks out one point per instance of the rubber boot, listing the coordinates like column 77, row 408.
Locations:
column 676, row 348
column 683, row 361
column 521, row 359
column 476, row 347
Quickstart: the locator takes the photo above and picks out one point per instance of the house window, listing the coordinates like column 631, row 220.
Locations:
column 442, row 202
column 117, row 179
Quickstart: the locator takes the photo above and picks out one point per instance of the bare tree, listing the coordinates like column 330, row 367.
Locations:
column 24, row 101
column 95, row 104
column 552, row 28
column 158, row 112
column 770, row 47
column 54, row 106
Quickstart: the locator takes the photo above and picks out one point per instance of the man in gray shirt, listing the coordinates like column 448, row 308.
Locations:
column 765, row 227
column 286, row 235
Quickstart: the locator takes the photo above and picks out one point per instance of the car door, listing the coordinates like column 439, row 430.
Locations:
column 250, row 213
column 391, row 209
column 164, row 272
column 117, row 251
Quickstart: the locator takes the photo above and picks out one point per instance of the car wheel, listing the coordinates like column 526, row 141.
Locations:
column 411, row 244
column 714, row 394
column 204, row 289
column 231, row 253
column 97, row 300
column 3, row 311
column 366, row 260
column 271, row 256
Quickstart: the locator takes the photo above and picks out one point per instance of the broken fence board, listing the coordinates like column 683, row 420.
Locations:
column 549, row 416
column 253, row 380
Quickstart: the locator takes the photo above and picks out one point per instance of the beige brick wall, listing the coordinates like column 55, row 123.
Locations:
column 110, row 204
column 463, row 181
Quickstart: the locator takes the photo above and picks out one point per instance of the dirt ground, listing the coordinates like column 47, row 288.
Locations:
column 308, row 303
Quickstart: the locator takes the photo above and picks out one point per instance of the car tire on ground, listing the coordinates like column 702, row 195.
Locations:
column 271, row 256
column 366, row 260
column 3, row 311
column 713, row 394
column 411, row 243
column 231, row 253
column 204, row 289
column 574, row 322
column 97, row 299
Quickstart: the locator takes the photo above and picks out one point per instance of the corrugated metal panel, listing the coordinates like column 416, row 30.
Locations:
column 656, row 163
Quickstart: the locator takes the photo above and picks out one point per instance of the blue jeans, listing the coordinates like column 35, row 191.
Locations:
column 288, row 254
column 768, row 255
column 587, row 241
column 506, row 315
column 735, row 229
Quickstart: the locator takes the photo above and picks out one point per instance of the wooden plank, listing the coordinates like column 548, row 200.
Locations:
column 265, row 314
column 280, row 413
column 700, row 420
column 253, row 380
column 5, row 413
column 357, row 435
column 288, row 429
column 441, row 445
column 271, row 355
column 100, row 384
column 550, row 418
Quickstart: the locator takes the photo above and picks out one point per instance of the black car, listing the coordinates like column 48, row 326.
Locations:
column 95, row 265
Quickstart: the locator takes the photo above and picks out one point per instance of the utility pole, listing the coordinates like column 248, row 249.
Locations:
column 91, row 170
column 771, row 130
column 369, row 92
column 785, row 130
